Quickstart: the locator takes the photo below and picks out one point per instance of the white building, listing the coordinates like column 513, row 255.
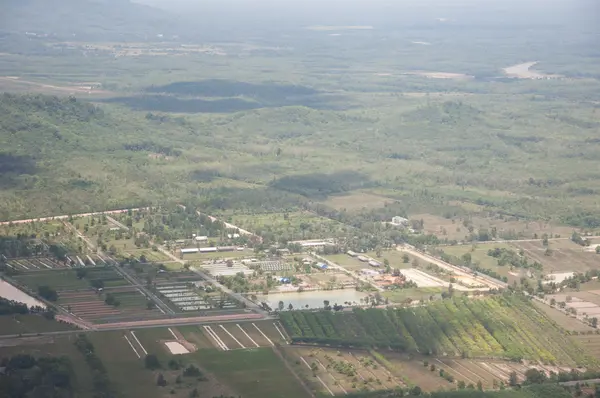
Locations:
column 201, row 238
column 399, row 221
column 189, row 251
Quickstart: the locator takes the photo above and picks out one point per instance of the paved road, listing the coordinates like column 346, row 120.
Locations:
column 149, row 324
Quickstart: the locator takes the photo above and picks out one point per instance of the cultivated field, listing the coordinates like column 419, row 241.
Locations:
column 499, row 327
column 91, row 306
column 66, row 279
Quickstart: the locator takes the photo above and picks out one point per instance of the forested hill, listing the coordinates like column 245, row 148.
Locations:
column 86, row 19
column 62, row 155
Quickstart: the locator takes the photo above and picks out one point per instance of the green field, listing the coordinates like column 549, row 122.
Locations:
column 501, row 326
column 479, row 255
column 66, row 279
column 21, row 324
column 255, row 373
column 289, row 226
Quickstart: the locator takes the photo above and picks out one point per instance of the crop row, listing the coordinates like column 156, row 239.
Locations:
column 500, row 326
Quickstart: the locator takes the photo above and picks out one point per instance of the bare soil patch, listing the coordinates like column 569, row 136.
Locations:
column 16, row 84
column 440, row 75
column 523, row 71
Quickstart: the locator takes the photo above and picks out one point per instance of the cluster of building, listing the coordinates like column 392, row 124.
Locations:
column 364, row 259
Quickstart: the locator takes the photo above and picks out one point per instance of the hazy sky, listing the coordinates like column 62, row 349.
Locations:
column 576, row 13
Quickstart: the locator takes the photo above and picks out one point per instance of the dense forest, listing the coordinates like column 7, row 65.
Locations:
column 27, row 376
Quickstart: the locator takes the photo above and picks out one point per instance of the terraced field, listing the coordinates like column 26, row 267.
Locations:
column 507, row 327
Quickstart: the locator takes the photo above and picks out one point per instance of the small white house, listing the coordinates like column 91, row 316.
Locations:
column 201, row 238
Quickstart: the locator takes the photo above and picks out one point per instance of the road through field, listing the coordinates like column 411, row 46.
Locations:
column 97, row 213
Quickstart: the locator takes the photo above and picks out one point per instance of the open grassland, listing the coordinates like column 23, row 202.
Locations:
column 563, row 320
column 479, row 256
column 413, row 294
column 21, row 324
column 291, row 226
column 257, row 373
column 340, row 372
column 357, row 201
column 501, row 327
column 590, row 342
column 565, row 256
column 457, row 228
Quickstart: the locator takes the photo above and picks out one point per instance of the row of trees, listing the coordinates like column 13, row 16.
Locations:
column 500, row 326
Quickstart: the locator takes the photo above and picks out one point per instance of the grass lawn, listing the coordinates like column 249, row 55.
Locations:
column 29, row 324
column 395, row 258
column 255, row 373
column 420, row 293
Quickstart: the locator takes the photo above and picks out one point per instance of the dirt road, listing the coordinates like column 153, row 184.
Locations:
column 67, row 216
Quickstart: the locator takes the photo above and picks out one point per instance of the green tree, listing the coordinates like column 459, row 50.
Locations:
column 513, row 380
column 151, row 362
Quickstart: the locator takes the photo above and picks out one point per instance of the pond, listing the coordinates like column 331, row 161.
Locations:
column 314, row 299
column 10, row 292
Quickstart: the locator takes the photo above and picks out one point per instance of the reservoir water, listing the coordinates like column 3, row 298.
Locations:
column 10, row 292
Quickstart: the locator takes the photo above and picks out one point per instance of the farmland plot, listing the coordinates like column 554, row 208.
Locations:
column 501, row 326
column 234, row 336
column 90, row 305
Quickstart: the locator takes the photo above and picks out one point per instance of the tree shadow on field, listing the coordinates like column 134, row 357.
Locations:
column 13, row 166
